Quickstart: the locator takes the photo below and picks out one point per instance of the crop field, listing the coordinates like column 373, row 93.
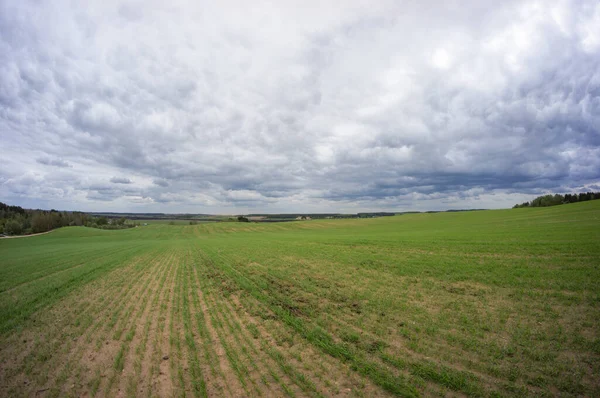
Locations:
column 486, row 303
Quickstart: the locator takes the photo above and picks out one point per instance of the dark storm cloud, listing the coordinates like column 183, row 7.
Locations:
column 373, row 106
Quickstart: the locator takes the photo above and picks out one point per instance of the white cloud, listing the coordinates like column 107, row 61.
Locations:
column 121, row 180
column 441, row 59
column 296, row 105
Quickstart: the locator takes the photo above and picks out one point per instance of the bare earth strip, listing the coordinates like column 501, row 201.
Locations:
column 211, row 352
column 224, row 378
column 161, row 378
column 58, row 329
column 330, row 376
column 129, row 377
column 25, row 236
column 149, row 354
column 130, row 328
column 196, row 367
column 179, row 363
column 97, row 354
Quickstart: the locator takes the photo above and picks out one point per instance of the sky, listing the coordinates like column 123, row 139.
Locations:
column 237, row 107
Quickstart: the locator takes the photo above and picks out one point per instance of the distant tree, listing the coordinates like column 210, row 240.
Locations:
column 557, row 199
column 102, row 221
column 242, row 219
column 568, row 198
column 12, row 227
column 41, row 222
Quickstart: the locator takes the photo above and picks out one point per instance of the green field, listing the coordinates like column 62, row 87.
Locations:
column 487, row 303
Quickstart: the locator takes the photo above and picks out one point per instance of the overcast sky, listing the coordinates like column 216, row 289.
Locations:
column 248, row 106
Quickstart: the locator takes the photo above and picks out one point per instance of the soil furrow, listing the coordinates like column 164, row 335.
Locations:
column 161, row 381
column 180, row 378
column 245, row 352
column 63, row 333
column 110, row 356
column 129, row 376
column 148, row 347
column 194, row 366
column 225, row 377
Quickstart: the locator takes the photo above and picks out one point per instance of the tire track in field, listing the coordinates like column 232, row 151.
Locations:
column 401, row 361
column 419, row 366
column 62, row 259
column 296, row 378
column 49, row 252
column 268, row 344
column 222, row 372
column 129, row 326
column 151, row 355
column 65, row 259
column 271, row 377
column 238, row 363
column 213, row 297
column 278, row 378
column 195, row 371
column 55, row 323
column 162, row 383
column 339, row 379
column 97, row 350
column 51, row 329
column 305, row 330
column 400, row 358
column 57, row 258
column 181, row 382
column 331, row 361
column 213, row 358
column 39, row 279
column 374, row 341
column 18, row 312
column 129, row 377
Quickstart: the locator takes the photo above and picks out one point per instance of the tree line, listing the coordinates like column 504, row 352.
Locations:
column 15, row 220
column 558, row 199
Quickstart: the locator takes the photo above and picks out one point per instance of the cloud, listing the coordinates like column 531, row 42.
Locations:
column 121, row 180
column 53, row 162
column 289, row 107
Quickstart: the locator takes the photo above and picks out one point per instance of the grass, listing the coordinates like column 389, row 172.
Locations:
column 177, row 221
column 487, row 303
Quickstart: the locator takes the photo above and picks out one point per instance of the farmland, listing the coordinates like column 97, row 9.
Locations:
column 486, row 303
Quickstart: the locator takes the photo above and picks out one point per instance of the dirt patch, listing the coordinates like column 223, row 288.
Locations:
column 55, row 336
column 152, row 356
column 229, row 380
column 161, row 379
column 25, row 236
column 325, row 374
column 100, row 350
column 129, row 378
